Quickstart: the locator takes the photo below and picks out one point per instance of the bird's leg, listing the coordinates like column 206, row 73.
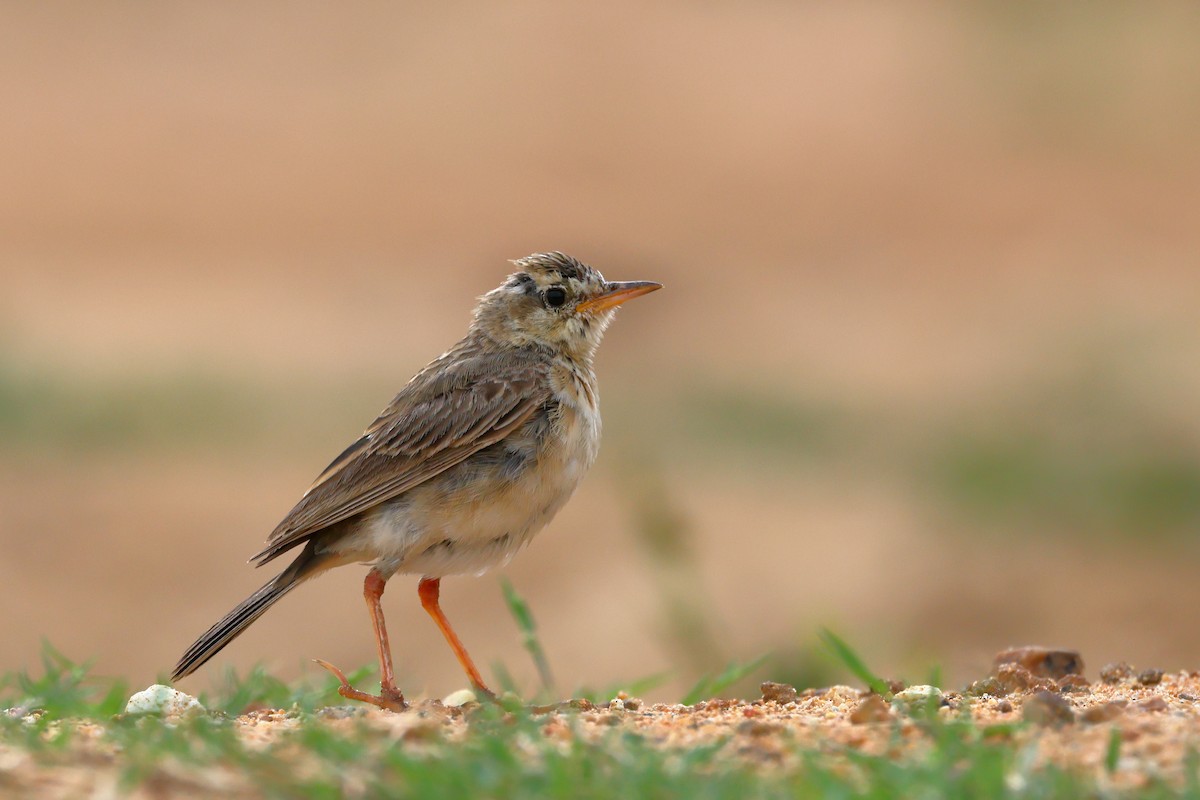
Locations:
column 372, row 592
column 428, row 589
column 389, row 696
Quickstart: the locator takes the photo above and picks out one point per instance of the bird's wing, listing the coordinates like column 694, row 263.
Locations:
column 442, row 417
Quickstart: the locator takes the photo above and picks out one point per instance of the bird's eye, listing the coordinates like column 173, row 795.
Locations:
column 556, row 296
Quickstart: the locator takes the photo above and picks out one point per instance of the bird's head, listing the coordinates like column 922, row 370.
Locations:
column 555, row 301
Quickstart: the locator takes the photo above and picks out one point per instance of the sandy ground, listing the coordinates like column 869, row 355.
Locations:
column 922, row 210
column 1069, row 722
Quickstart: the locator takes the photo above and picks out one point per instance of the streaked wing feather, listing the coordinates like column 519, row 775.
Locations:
column 347, row 456
column 425, row 431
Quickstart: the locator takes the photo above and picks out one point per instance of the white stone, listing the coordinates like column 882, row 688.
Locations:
column 917, row 698
column 460, row 698
column 165, row 702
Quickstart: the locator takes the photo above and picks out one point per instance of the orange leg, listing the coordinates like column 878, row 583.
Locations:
column 372, row 592
column 429, row 589
column 389, row 696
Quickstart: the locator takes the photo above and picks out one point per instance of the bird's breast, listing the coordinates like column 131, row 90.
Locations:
column 480, row 512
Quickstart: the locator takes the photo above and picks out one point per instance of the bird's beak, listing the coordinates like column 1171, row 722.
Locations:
column 615, row 293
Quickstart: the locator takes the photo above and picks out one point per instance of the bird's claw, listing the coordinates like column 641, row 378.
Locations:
column 389, row 697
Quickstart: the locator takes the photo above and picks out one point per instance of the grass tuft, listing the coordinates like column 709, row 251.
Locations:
column 712, row 685
column 64, row 689
column 258, row 689
column 523, row 616
column 853, row 662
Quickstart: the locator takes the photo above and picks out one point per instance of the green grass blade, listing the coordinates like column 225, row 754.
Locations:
column 529, row 638
column 1112, row 753
column 504, row 678
column 854, row 663
column 710, row 685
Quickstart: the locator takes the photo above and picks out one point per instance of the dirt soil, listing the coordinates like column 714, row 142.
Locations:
column 1068, row 721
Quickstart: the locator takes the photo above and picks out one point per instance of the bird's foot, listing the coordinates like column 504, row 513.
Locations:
column 389, row 697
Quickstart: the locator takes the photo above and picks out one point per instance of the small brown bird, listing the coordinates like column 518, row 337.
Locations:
column 470, row 460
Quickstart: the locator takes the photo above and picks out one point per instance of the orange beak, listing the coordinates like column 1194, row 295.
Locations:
column 617, row 293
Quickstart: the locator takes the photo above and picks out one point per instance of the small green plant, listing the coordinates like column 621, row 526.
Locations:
column 238, row 694
column 846, row 654
column 712, row 685
column 1112, row 753
column 529, row 637
column 64, row 689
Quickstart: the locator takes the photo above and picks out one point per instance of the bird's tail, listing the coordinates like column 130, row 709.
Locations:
column 307, row 565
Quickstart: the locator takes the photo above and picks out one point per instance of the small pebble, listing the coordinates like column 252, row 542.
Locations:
column 1043, row 662
column 780, row 693
column 1116, row 672
column 1150, row 677
column 164, row 701
column 989, row 686
column 1072, row 683
column 1154, row 704
column 1047, row 708
column 1103, row 712
column 873, row 708
column 755, row 727
column 462, row 697
column 917, row 698
column 1015, row 678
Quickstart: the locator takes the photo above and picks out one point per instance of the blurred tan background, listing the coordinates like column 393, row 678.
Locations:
column 926, row 370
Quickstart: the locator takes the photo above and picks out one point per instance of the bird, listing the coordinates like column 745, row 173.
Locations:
column 471, row 459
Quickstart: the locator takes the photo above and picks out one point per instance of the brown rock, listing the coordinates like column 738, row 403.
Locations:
column 1103, row 712
column 1150, row 677
column 1115, row 673
column 1153, row 704
column 780, row 693
column 1016, row 678
column 754, row 727
column 716, row 704
column 873, row 708
column 1013, row 677
column 1043, row 662
column 987, row 685
column 1072, row 683
column 1047, row 708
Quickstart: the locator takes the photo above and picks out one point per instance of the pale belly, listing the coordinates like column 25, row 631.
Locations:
column 479, row 513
